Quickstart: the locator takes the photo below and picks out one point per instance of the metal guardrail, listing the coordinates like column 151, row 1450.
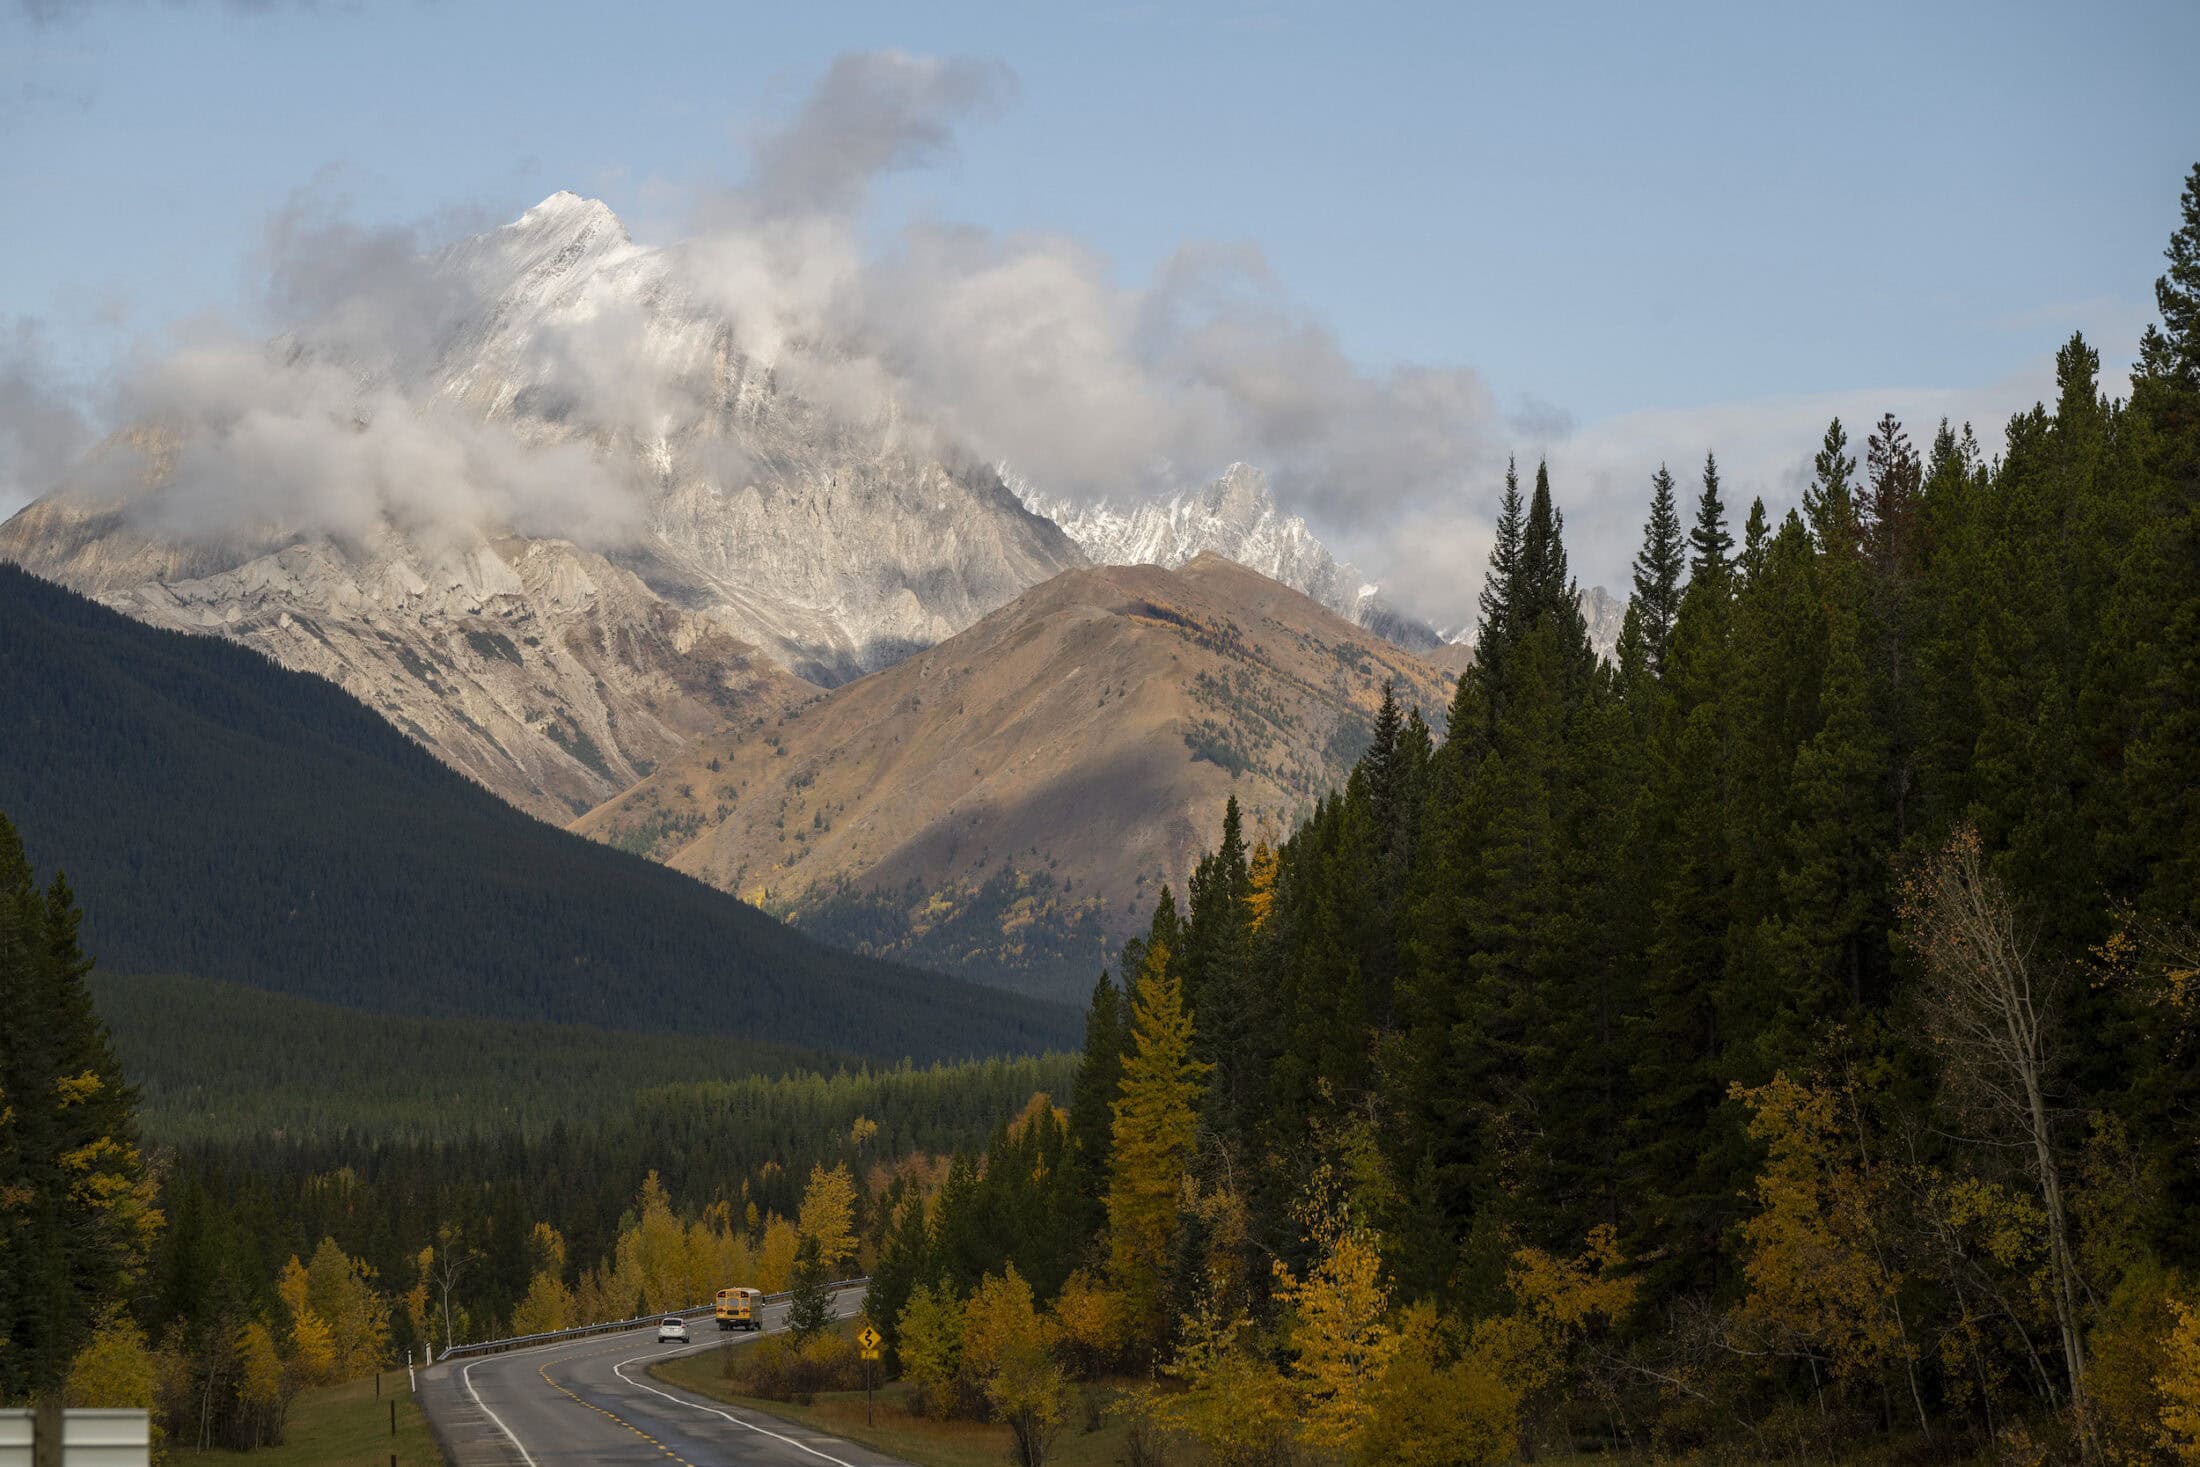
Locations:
column 583, row 1331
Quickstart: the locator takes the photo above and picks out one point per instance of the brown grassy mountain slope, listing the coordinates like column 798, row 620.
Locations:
column 1006, row 804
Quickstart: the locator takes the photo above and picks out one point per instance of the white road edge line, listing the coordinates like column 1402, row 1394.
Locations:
column 466, row 1375
column 619, row 1370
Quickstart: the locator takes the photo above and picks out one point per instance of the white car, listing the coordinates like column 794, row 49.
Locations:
column 672, row 1327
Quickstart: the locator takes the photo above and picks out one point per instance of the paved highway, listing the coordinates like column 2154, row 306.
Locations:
column 593, row 1400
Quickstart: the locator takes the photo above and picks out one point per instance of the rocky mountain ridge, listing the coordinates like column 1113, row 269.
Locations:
column 766, row 543
column 1236, row 517
column 1006, row 804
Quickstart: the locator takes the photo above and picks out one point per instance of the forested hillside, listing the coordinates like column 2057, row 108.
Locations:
column 222, row 1062
column 1780, row 1044
column 223, row 817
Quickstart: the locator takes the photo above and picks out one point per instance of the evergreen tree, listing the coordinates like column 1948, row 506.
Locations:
column 1894, row 556
column 1710, row 547
column 1091, row 1115
column 1658, row 565
column 1222, row 990
column 2170, row 353
column 903, row 1263
column 1681, row 852
column 810, row 1311
column 2154, row 611
column 1755, row 536
column 1166, row 931
column 1500, row 590
column 1545, row 590
column 1829, row 500
column 77, row 1221
column 1382, row 759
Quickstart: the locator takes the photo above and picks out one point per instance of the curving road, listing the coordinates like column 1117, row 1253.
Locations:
column 593, row 1401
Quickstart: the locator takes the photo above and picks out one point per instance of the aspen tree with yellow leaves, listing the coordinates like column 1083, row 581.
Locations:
column 829, row 1214
column 1336, row 1320
column 2178, row 1384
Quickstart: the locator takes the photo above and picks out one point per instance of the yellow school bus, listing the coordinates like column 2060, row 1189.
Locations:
column 740, row 1309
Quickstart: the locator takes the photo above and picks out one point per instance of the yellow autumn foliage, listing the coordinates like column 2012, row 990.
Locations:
column 312, row 1348
column 1427, row 1412
column 1156, row 1118
column 1340, row 1339
column 2179, row 1385
column 115, row 1369
column 1235, row 1404
column 546, row 1250
column 1815, row 1266
column 930, row 1332
column 340, row 1292
column 548, row 1306
column 260, row 1382
column 828, row 1213
column 775, row 1255
column 1089, row 1316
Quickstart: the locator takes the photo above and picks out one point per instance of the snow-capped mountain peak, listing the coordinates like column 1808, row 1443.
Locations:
column 1234, row 516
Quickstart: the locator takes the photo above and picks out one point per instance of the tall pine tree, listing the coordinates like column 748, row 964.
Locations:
column 1658, row 566
column 77, row 1220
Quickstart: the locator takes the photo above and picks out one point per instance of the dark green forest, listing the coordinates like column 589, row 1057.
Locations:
column 221, row 1062
column 225, row 818
column 1782, row 1040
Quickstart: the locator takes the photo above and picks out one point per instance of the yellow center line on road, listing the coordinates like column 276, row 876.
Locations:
column 543, row 1370
column 840, row 1311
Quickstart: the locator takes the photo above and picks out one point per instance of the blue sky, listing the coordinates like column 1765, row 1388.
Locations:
column 1634, row 225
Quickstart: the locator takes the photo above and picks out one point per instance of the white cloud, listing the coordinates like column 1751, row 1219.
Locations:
column 1021, row 348
column 42, row 426
column 262, row 440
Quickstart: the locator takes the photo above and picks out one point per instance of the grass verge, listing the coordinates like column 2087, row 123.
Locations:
column 344, row 1426
column 895, row 1431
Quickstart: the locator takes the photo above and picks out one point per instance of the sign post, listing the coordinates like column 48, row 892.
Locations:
column 868, row 1338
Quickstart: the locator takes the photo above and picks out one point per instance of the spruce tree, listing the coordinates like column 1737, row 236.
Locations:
column 1829, row 501
column 1545, row 593
column 903, row 1263
column 1681, row 855
column 1658, row 565
column 1755, row 536
column 1091, row 1114
column 1894, row 558
column 1710, row 547
column 1221, row 989
column 1498, row 601
column 77, row 1221
column 2154, row 610
column 1381, row 759
column 810, row 1311
column 2170, row 353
